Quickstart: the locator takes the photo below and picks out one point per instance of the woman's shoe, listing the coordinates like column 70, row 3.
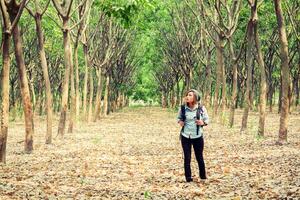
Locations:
column 189, row 180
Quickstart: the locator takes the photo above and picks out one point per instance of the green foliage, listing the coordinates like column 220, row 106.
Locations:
column 124, row 10
column 145, row 87
column 147, row 194
column 148, row 24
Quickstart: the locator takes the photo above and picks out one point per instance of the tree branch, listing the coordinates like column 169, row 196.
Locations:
column 69, row 8
column 79, row 5
column 30, row 11
column 55, row 21
column 58, row 8
column 16, row 20
column 46, row 7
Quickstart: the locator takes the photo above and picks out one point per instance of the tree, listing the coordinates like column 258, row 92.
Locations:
column 11, row 13
column 37, row 15
column 249, row 61
column 83, row 16
column 64, row 10
column 263, row 83
column 285, row 73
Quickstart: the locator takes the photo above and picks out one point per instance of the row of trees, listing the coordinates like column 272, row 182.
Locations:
column 75, row 60
column 234, row 53
column 84, row 59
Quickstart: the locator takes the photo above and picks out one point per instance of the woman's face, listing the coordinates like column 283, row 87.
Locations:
column 190, row 98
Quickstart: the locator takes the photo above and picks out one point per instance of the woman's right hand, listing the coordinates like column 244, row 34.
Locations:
column 181, row 123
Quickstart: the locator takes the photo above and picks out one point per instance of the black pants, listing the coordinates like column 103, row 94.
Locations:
column 198, row 145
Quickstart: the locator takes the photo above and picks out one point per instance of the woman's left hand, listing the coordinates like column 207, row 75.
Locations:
column 200, row 122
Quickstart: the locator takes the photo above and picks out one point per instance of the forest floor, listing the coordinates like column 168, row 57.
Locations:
column 135, row 154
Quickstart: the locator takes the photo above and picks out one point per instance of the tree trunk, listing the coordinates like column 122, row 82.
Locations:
column 249, row 65
column 178, row 97
column 188, row 81
column 91, row 97
column 284, row 114
column 98, row 97
column 173, row 98
column 77, row 103
column 105, row 103
column 297, row 100
column 280, row 95
column 123, row 103
column 223, row 88
column 167, row 99
column 290, row 94
column 208, row 82
column 29, row 126
column 163, row 99
column 113, row 105
column 5, row 96
column 219, row 58
column 252, row 90
column 72, row 121
column 234, row 84
column 86, row 76
column 13, row 103
column 65, row 86
column 46, row 77
column 263, row 85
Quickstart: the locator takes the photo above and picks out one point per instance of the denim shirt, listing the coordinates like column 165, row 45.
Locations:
column 190, row 126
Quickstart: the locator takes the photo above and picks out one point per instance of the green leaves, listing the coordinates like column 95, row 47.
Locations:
column 123, row 10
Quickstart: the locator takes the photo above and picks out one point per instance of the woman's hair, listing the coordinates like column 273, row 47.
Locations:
column 195, row 94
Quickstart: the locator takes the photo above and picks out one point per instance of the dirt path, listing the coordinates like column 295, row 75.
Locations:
column 135, row 154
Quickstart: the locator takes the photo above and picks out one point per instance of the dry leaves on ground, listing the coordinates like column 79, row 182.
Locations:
column 136, row 154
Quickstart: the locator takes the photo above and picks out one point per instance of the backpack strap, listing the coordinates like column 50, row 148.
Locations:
column 183, row 117
column 198, row 114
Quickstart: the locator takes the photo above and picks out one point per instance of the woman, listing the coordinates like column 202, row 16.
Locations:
column 192, row 117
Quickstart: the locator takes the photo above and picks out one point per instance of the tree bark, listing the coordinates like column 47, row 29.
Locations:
column 45, row 76
column 263, row 84
column 28, row 112
column 8, row 24
column 234, row 84
column 65, row 86
column 105, row 103
column 86, row 76
column 188, row 80
column 72, row 121
column 219, row 58
column 98, row 97
column 297, row 100
column 207, row 97
column 178, row 97
column 91, row 97
column 5, row 96
column 163, row 99
column 223, row 89
column 280, row 95
column 77, row 103
column 249, row 65
column 284, row 114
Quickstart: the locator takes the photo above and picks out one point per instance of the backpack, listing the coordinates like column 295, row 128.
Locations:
column 198, row 114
